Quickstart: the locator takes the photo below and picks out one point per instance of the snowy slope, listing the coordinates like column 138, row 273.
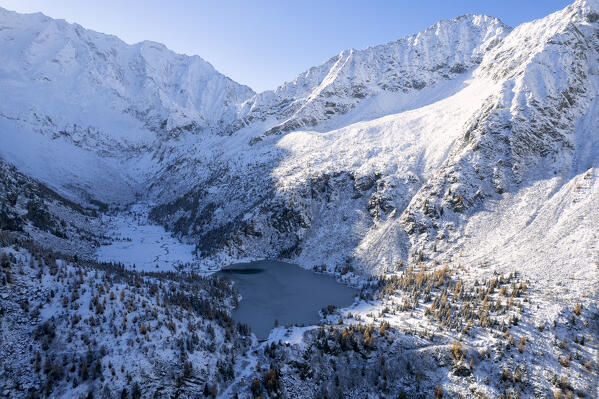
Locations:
column 99, row 105
column 377, row 189
column 76, row 66
column 485, row 168
column 531, row 145
column 401, row 151
column 255, row 217
column 72, row 329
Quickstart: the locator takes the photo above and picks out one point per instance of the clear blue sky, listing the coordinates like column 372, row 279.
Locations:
column 264, row 43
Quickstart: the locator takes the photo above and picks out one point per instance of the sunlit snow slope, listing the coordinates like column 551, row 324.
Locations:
column 84, row 111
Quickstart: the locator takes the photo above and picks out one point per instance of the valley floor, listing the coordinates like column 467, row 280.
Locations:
column 141, row 245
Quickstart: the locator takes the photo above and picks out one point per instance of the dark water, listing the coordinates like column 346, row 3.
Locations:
column 280, row 291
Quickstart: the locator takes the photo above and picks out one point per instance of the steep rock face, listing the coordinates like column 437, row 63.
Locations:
column 443, row 51
column 530, row 131
column 31, row 210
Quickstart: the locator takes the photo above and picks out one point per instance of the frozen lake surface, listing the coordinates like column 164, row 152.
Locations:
column 284, row 292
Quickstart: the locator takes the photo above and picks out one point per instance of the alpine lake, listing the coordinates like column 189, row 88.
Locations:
column 277, row 293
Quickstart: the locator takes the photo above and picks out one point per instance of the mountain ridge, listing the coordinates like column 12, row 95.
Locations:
column 398, row 77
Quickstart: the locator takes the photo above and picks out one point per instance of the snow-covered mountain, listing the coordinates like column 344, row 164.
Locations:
column 470, row 144
column 353, row 87
column 529, row 151
column 394, row 147
column 98, row 104
column 396, row 185
column 164, row 91
column 442, row 52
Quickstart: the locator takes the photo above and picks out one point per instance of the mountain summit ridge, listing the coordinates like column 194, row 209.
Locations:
column 182, row 88
column 138, row 103
column 408, row 63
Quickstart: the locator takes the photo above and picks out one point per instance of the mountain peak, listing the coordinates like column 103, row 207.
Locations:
column 441, row 52
column 476, row 19
column 591, row 5
column 583, row 10
column 162, row 89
